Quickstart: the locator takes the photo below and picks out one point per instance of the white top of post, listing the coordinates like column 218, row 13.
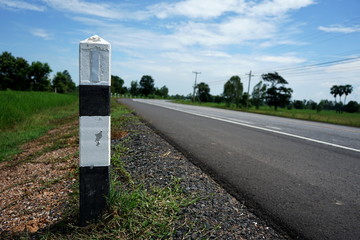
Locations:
column 95, row 55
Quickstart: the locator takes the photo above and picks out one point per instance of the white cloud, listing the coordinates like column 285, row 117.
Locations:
column 98, row 9
column 198, row 8
column 181, row 57
column 193, row 9
column 340, row 29
column 242, row 22
column 238, row 28
column 14, row 4
column 215, row 8
column 89, row 21
column 105, row 10
column 281, row 59
column 38, row 32
column 276, row 8
column 321, row 78
column 174, row 39
column 348, row 66
column 218, row 54
column 242, row 29
column 234, row 31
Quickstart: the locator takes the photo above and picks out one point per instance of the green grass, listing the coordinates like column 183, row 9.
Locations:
column 347, row 119
column 145, row 213
column 28, row 115
column 134, row 211
column 17, row 106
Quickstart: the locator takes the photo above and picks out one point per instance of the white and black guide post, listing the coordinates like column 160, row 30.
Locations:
column 94, row 93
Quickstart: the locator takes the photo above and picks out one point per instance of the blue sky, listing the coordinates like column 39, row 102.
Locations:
column 313, row 44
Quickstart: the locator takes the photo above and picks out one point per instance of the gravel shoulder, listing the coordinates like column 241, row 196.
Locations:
column 215, row 214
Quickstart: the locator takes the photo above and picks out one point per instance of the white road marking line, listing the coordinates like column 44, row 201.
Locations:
column 256, row 127
column 241, row 121
column 276, row 128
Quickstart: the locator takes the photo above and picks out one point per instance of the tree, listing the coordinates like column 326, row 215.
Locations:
column 117, row 85
column 341, row 92
column 334, row 90
column 17, row 74
column 347, row 90
column 244, row 101
column 298, row 104
column 277, row 94
column 352, row 107
column 13, row 72
column 320, row 106
column 311, row 104
column 147, row 85
column 203, row 92
column 134, row 88
column 327, row 105
column 63, row 83
column 218, row 99
column 162, row 92
column 20, row 77
column 7, row 70
column 233, row 90
column 258, row 94
column 39, row 76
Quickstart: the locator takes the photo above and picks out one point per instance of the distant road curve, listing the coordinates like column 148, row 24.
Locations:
column 303, row 175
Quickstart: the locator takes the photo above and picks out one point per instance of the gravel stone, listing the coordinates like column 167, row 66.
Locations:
column 215, row 215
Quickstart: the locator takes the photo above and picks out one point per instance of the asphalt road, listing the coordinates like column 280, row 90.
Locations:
column 304, row 176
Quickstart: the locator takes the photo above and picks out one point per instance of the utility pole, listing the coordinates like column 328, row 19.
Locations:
column 196, row 73
column 247, row 100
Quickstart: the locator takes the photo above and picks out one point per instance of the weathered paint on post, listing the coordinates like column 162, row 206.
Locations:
column 94, row 93
column 94, row 144
column 95, row 54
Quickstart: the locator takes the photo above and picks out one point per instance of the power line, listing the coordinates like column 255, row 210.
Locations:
column 325, row 63
column 313, row 66
column 347, row 53
column 310, row 70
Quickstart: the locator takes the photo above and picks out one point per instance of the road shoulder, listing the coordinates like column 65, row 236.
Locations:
column 215, row 214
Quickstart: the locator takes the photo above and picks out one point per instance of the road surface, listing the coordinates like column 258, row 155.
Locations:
column 304, row 176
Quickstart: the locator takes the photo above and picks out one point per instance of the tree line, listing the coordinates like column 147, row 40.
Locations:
column 272, row 90
column 17, row 74
column 144, row 88
column 341, row 90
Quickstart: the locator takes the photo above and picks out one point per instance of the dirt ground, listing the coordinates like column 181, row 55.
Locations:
column 37, row 183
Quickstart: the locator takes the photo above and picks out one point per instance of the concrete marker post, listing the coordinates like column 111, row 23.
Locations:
column 94, row 114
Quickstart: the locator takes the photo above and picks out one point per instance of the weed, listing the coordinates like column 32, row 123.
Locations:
column 118, row 165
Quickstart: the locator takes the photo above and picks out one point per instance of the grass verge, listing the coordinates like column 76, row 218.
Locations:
column 18, row 106
column 28, row 115
column 134, row 211
column 347, row 119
